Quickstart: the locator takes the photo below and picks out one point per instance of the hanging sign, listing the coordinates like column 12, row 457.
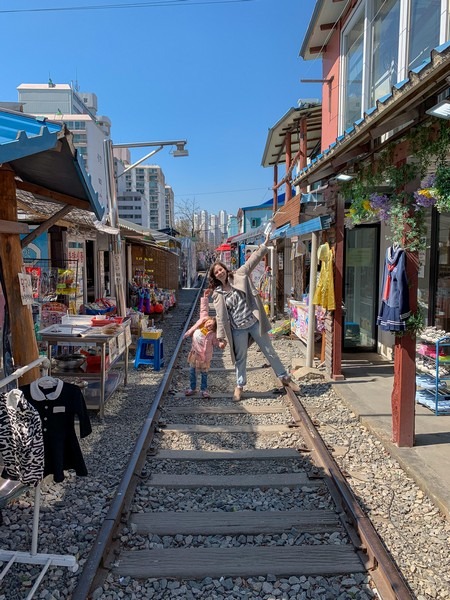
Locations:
column 117, row 261
column 26, row 289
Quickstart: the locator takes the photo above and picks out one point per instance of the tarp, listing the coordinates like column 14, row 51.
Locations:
column 223, row 248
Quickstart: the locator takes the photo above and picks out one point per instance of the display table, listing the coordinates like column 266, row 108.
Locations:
column 102, row 379
column 299, row 317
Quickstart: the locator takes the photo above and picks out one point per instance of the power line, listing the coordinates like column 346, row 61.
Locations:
column 124, row 5
column 221, row 192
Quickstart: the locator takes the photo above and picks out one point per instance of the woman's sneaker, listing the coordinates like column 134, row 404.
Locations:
column 206, row 394
column 237, row 396
column 288, row 382
column 190, row 392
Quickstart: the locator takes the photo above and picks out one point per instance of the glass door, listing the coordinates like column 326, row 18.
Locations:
column 361, row 288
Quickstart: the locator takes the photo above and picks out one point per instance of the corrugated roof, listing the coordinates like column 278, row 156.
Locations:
column 22, row 135
column 275, row 150
column 424, row 82
column 317, row 224
column 42, row 155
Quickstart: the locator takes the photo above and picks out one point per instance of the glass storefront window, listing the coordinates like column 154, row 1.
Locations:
column 442, row 320
column 423, row 30
column 361, row 296
column 423, row 286
column 354, row 49
column 384, row 48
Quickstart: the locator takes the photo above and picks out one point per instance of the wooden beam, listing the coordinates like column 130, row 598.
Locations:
column 317, row 49
column 411, row 115
column 46, row 225
column 327, row 26
column 349, row 155
column 55, row 196
column 23, row 340
column 13, row 227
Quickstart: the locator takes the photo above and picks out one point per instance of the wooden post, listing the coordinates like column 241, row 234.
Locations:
column 336, row 372
column 288, row 195
column 403, row 396
column 23, row 340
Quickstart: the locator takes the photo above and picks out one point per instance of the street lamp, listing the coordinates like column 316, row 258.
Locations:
column 179, row 144
column 113, row 207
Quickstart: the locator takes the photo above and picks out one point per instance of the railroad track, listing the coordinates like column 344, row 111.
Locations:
column 234, row 491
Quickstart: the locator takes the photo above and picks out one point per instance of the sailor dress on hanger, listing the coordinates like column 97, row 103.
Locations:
column 394, row 307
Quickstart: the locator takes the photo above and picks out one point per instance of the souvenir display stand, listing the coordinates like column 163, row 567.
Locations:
column 299, row 316
column 433, row 371
column 106, row 356
column 10, row 557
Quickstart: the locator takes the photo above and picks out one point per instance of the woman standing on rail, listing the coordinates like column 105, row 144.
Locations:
column 241, row 318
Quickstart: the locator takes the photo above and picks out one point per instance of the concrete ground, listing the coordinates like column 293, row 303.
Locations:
column 367, row 390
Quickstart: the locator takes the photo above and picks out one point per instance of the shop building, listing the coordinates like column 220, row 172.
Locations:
column 385, row 77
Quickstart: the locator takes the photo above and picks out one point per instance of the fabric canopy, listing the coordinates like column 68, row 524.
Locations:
column 223, row 248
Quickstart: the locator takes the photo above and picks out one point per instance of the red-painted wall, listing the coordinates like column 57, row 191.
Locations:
column 330, row 92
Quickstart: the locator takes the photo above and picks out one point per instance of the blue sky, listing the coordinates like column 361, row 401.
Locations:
column 217, row 73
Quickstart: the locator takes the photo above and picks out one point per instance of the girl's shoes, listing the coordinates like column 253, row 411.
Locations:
column 206, row 394
column 190, row 392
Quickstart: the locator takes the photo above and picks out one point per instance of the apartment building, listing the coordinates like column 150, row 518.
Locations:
column 169, row 197
column 146, row 185
column 78, row 110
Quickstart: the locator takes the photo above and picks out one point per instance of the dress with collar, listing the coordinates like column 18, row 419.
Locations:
column 57, row 407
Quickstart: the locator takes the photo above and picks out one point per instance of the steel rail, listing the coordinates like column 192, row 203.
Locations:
column 129, row 480
column 383, row 570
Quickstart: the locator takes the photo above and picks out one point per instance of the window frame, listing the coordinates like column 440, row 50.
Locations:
column 366, row 7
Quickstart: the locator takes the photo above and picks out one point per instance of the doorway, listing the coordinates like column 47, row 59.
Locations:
column 361, row 288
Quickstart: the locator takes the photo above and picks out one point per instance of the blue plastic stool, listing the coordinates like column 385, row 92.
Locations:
column 156, row 355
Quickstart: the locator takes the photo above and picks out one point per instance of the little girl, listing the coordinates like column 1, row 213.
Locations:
column 203, row 341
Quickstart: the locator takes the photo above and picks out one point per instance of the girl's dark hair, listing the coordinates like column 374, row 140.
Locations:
column 213, row 281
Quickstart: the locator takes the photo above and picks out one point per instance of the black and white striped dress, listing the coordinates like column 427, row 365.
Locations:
column 21, row 440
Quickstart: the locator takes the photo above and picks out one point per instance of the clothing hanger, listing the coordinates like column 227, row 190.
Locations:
column 47, row 382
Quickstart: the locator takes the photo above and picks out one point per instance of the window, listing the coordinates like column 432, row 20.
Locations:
column 255, row 223
column 384, row 53
column 423, row 30
column 353, row 77
column 381, row 43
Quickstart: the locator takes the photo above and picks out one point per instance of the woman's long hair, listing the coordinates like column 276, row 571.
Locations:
column 213, row 281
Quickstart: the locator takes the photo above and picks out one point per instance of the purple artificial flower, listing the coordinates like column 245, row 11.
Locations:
column 424, row 200
column 381, row 204
column 428, row 182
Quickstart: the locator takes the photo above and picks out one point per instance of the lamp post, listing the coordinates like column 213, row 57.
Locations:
column 113, row 207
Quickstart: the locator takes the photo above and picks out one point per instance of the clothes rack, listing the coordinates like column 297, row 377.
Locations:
column 33, row 557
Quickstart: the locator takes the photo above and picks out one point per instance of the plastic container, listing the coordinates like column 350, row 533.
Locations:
column 151, row 334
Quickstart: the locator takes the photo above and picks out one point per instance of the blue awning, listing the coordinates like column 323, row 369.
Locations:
column 22, row 135
column 317, row 224
column 280, row 232
column 41, row 153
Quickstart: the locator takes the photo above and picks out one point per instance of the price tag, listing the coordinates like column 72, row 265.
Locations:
column 121, row 342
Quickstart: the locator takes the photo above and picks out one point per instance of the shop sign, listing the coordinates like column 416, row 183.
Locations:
column 26, row 290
